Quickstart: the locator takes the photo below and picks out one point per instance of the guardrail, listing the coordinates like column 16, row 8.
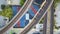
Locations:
column 38, row 17
column 17, row 16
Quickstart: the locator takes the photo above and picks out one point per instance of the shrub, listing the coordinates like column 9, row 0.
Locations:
column 0, row 12
column 2, row 6
column 22, row 2
column 7, row 12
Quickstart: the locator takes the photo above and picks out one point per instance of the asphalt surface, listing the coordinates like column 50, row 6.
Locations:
column 38, row 17
column 16, row 18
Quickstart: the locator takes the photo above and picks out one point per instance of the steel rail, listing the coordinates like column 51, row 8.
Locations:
column 17, row 16
column 36, row 13
column 38, row 17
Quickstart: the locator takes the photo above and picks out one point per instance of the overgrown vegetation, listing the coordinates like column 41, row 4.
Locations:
column 55, row 27
column 0, row 12
column 55, row 3
column 7, row 12
column 22, row 2
column 42, row 21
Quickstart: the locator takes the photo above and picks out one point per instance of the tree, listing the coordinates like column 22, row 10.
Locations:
column 42, row 21
column 2, row 6
column 7, row 11
column 22, row 2
column 55, row 27
column 0, row 12
column 55, row 3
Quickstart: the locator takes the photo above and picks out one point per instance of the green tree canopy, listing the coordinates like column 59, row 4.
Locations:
column 0, row 12
column 7, row 11
column 55, row 5
column 55, row 2
column 22, row 2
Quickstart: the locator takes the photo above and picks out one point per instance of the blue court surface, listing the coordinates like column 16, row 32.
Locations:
column 15, row 9
column 27, row 17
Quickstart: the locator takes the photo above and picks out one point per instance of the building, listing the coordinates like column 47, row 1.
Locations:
column 2, row 2
column 13, row 2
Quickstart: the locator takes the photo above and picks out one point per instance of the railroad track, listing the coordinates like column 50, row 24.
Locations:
column 21, row 12
column 39, row 15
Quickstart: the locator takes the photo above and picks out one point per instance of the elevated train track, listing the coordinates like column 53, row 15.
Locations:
column 22, row 11
column 39, row 15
